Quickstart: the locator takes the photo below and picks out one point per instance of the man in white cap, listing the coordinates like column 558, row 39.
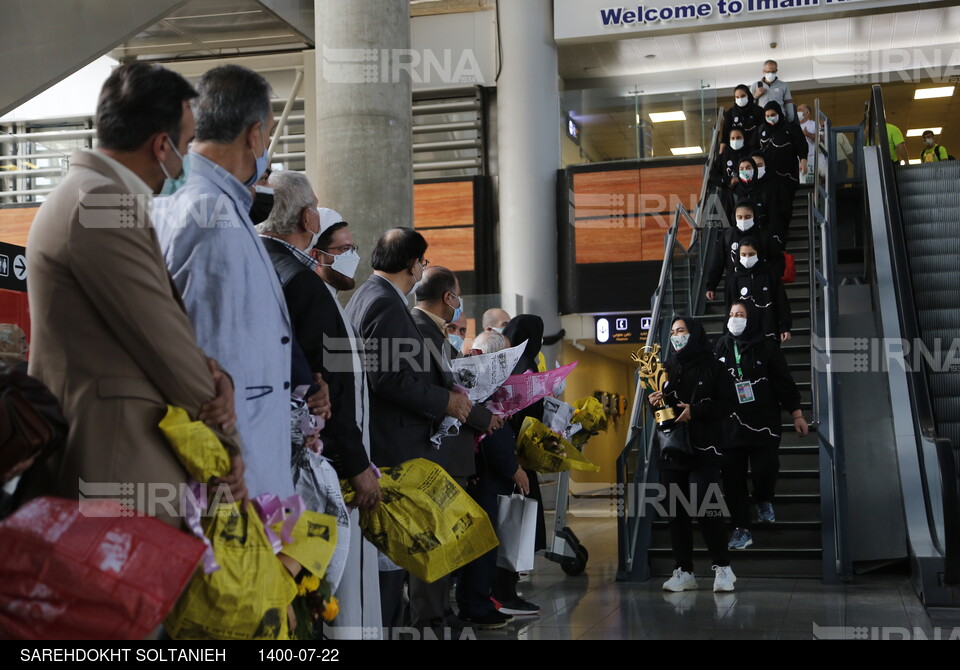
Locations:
column 315, row 256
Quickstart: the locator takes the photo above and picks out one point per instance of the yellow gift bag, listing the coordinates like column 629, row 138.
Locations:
column 425, row 523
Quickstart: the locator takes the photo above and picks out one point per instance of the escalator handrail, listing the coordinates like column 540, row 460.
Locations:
column 903, row 282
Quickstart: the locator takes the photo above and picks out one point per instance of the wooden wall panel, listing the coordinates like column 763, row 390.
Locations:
column 443, row 204
column 15, row 224
column 623, row 215
column 451, row 248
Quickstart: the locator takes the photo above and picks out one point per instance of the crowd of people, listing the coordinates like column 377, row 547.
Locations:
column 731, row 393
column 221, row 298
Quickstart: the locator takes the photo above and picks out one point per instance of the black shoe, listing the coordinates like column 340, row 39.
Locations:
column 519, row 607
column 488, row 621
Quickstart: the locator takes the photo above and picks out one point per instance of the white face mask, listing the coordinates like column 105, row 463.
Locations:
column 745, row 225
column 770, row 77
column 345, row 263
column 679, row 341
column 742, row 102
column 497, row 330
column 761, row 170
column 314, row 237
column 772, row 120
column 736, row 325
column 748, row 261
column 736, row 144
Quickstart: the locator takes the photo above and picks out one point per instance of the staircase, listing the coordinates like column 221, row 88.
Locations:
column 791, row 546
column 930, row 210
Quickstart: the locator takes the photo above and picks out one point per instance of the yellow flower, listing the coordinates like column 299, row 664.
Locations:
column 308, row 584
column 331, row 610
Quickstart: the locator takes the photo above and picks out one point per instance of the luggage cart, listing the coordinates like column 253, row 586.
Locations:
column 565, row 547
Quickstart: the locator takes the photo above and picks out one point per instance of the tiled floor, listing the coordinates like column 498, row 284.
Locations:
column 594, row 606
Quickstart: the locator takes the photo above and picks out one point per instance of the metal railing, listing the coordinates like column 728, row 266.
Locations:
column 824, row 384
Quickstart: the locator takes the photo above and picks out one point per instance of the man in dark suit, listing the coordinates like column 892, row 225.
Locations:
column 438, row 304
column 408, row 397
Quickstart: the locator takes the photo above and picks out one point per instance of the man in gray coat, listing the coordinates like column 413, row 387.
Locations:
column 228, row 282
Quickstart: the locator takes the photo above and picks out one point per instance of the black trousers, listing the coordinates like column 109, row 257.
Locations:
column 476, row 578
column 694, row 485
column 764, row 462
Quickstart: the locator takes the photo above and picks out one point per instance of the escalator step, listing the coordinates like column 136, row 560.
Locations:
column 945, row 228
column 937, row 319
column 931, row 281
column 949, row 198
column 941, row 263
column 933, row 247
column 945, row 384
column 935, row 300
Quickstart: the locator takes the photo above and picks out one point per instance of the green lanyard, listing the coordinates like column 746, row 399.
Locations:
column 736, row 353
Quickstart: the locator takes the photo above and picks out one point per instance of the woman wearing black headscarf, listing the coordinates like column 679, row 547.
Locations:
column 755, row 367
column 699, row 393
column 784, row 148
column 523, row 328
column 756, row 278
column 744, row 112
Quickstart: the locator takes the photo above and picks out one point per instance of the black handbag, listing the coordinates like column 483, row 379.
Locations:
column 31, row 424
column 675, row 442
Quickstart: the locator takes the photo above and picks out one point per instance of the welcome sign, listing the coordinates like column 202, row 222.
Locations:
column 589, row 20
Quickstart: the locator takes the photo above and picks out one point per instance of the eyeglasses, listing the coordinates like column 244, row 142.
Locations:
column 342, row 250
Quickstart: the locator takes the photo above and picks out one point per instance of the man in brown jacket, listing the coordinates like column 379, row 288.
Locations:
column 111, row 338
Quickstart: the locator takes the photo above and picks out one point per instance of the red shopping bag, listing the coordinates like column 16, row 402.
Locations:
column 789, row 269
column 95, row 572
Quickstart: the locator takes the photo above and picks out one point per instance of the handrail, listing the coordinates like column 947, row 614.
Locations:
column 824, row 384
column 916, row 379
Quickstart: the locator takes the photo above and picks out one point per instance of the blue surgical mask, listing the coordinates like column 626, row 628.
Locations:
column 456, row 341
column 171, row 185
column 498, row 330
column 261, row 166
column 458, row 312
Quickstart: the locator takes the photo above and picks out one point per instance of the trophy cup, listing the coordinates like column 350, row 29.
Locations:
column 655, row 378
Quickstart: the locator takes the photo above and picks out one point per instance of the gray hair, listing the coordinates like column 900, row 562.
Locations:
column 231, row 99
column 490, row 342
column 291, row 193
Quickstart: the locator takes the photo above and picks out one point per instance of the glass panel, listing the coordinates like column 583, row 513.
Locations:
column 626, row 123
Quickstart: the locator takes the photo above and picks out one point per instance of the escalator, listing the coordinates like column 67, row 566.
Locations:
column 913, row 213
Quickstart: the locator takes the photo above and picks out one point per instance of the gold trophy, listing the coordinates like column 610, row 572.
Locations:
column 655, row 378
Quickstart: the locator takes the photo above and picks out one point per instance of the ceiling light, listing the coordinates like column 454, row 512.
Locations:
column 660, row 117
column 918, row 132
column 685, row 151
column 927, row 93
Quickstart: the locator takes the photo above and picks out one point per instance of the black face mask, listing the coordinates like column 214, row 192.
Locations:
column 262, row 206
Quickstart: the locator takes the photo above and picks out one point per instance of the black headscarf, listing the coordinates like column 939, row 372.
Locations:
column 753, row 332
column 697, row 347
column 529, row 328
column 775, row 106
column 746, row 89
column 747, row 159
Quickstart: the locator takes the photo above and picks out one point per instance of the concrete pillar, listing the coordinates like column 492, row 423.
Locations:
column 363, row 117
column 528, row 118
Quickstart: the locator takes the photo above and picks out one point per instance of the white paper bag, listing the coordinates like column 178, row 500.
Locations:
column 517, row 531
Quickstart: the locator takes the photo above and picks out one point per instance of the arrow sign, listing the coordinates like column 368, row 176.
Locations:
column 20, row 267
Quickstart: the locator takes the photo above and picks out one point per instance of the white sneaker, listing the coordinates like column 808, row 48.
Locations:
column 681, row 581
column 724, row 579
